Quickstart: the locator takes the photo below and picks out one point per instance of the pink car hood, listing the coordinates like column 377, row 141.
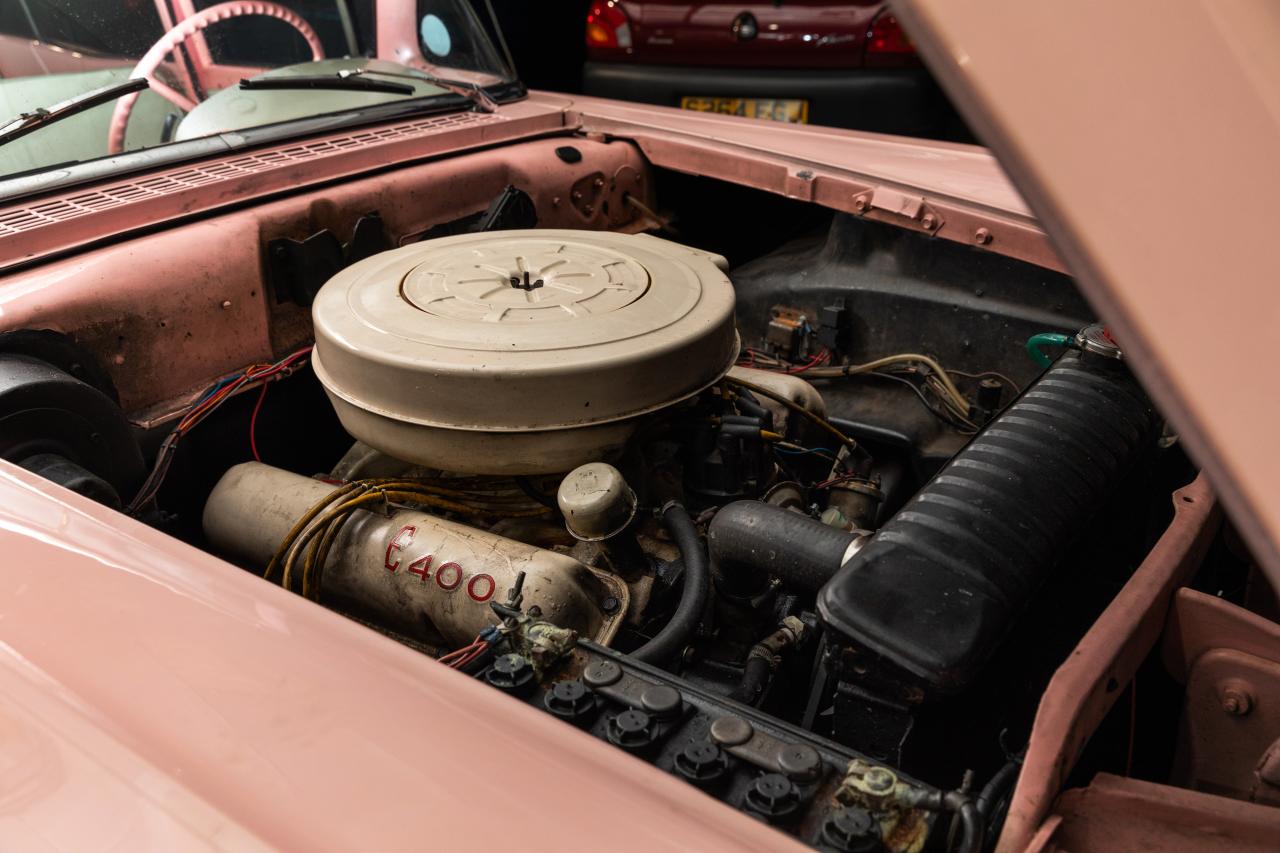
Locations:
column 169, row 701
column 1144, row 135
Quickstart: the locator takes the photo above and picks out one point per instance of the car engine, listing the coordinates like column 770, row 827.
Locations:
column 726, row 518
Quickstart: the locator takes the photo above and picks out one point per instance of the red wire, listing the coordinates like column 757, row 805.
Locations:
column 468, row 659
column 813, row 362
column 821, row 357
column 253, row 421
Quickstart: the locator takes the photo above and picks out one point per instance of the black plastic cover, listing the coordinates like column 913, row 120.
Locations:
column 936, row 589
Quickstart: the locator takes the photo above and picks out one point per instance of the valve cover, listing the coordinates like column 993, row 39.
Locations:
column 520, row 351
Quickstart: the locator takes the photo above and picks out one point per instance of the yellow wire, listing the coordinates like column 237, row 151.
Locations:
column 320, row 525
column 795, row 407
column 901, row 358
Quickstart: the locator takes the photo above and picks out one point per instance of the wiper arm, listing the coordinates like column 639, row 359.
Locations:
column 471, row 91
column 28, row 122
column 347, row 81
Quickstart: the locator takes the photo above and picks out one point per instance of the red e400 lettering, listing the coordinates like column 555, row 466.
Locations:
column 448, row 576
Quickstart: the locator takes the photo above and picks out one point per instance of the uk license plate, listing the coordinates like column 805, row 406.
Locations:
column 791, row 110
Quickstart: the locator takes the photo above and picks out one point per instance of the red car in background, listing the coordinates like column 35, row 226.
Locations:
column 828, row 62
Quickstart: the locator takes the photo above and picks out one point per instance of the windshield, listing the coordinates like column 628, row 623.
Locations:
column 317, row 57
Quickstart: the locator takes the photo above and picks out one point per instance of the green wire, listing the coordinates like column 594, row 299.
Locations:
column 1045, row 339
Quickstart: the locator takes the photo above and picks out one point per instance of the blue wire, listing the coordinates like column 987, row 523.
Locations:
column 217, row 386
column 807, row 450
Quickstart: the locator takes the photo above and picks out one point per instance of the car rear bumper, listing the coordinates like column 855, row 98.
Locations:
column 904, row 101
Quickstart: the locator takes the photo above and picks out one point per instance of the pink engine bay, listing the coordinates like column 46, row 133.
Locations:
column 687, row 432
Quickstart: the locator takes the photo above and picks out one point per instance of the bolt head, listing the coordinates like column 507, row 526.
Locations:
column 928, row 221
column 982, row 236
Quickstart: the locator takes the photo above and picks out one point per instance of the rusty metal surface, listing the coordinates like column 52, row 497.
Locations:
column 81, row 216
column 153, row 697
column 1156, row 177
column 170, row 311
column 1121, row 815
column 1086, row 686
column 1229, row 659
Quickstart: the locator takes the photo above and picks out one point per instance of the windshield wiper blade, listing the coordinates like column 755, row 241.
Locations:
column 348, row 81
column 471, row 91
column 28, row 122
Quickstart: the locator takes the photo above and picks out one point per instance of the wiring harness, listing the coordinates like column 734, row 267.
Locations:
column 934, row 385
column 208, row 402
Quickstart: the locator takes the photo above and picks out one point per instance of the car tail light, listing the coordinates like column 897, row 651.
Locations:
column 887, row 43
column 607, row 26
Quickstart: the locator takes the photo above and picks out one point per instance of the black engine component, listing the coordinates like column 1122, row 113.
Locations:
column 61, row 427
column 752, row 541
column 825, row 794
column 933, row 593
column 512, row 209
column 300, row 267
column 683, row 624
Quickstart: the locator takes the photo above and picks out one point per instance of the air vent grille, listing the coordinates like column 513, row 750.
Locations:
column 18, row 220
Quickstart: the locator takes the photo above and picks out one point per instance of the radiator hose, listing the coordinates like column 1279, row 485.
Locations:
column 752, row 541
column 679, row 630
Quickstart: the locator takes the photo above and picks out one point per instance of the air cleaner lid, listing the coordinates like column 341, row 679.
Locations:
column 525, row 330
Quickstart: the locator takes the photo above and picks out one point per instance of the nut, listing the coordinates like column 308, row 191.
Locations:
column 982, row 236
column 1236, row 701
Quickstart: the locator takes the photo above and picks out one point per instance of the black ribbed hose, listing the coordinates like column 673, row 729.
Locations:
column 680, row 628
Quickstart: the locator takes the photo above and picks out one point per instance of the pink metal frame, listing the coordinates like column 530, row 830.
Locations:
column 1084, row 688
column 199, row 305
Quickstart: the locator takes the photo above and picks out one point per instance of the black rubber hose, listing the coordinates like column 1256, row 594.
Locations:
column 973, row 835
column 996, row 788
column 755, row 675
column 972, row 831
column 679, row 630
column 994, row 798
column 752, row 541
